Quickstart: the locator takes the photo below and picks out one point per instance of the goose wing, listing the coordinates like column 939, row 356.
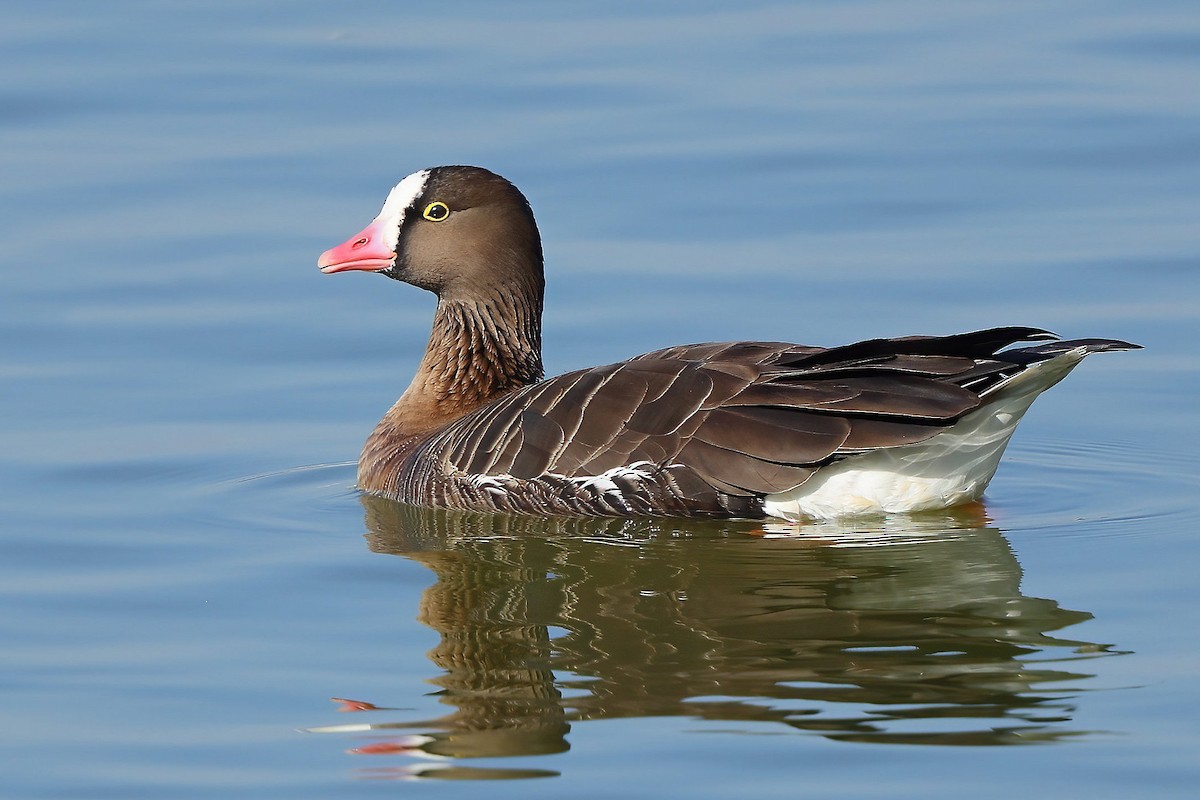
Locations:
column 748, row 418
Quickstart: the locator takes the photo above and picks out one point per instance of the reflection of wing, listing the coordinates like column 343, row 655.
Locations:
column 748, row 418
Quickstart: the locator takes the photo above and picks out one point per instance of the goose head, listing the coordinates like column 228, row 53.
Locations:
column 463, row 233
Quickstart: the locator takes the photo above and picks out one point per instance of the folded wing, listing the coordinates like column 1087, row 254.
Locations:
column 749, row 418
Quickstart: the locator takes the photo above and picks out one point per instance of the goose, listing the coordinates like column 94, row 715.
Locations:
column 743, row 429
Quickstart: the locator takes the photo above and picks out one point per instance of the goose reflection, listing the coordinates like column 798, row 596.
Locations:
column 923, row 638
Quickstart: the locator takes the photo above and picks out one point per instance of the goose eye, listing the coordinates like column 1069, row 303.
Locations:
column 436, row 211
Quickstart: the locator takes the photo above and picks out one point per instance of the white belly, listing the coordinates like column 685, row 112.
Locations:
column 953, row 467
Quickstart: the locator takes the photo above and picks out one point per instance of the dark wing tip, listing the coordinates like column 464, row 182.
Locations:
column 1101, row 345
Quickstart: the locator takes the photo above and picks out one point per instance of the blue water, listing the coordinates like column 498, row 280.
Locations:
column 188, row 575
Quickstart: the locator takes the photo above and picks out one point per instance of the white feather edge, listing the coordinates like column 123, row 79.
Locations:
column 602, row 483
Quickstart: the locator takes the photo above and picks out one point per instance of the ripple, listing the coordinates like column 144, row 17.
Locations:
column 300, row 474
column 1093, row 488
column 305, row 497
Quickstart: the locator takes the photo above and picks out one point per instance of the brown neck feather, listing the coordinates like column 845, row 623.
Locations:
column 479, row 349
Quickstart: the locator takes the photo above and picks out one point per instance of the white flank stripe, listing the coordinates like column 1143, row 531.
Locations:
column 604, row 481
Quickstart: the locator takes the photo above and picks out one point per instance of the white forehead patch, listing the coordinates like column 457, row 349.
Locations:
column 398, row 200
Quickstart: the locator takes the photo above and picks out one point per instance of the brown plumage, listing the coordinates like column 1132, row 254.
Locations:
column 714, row 429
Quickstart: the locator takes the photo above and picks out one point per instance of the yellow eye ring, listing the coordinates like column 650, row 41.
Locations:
column 436, row 211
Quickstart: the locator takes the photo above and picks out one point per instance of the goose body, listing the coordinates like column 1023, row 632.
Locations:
column 730, row 429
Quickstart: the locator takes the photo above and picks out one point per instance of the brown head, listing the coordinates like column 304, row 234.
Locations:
column 463, row 233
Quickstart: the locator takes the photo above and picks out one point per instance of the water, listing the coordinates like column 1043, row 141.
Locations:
column 188, row 575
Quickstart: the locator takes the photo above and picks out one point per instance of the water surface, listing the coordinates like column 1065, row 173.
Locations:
column 188, row 575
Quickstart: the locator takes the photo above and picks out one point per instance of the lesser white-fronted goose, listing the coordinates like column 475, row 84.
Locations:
column 729, row 429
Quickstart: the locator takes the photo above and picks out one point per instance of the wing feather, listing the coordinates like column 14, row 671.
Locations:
column 781, row 435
